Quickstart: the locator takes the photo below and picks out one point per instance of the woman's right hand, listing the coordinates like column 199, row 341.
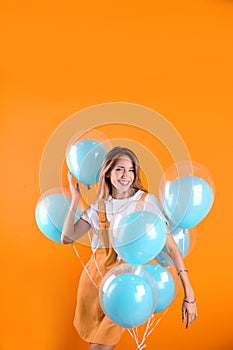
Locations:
column 74, row 187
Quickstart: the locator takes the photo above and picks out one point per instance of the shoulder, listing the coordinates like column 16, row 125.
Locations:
column 138, row 195
column 90, row 212
column 150, row 198
column 153, row 201
column 90, row 215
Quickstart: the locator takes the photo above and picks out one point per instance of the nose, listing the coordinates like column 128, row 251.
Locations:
column 124, row 174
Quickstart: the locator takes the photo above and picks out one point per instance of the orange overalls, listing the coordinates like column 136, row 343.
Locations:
column 90, row 321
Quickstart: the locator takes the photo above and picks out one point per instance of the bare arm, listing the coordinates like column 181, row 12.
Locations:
column 71, row 232
column 189, row 310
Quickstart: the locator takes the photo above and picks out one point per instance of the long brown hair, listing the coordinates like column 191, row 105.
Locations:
column 104, row 183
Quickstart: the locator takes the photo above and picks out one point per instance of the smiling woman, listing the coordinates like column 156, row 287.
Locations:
column 59, row 60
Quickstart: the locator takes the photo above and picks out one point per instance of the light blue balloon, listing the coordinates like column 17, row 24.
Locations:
column 182, row 239
column 85, row 159
column 139, row 237
column 128, row 299
column 164, row 259
column 187, row 200
column 50, row 214
column 165, row 285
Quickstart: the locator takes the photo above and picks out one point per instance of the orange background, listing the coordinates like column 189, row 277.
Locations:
column 58, row 58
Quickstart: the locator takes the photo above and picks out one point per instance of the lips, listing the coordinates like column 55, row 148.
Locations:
column 124, row 182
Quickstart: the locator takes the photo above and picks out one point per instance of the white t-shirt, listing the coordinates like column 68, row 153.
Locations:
column 119, row 207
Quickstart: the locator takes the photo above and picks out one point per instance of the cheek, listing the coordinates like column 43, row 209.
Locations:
column 114, row 176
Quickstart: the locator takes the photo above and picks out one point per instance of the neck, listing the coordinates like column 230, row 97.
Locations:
column 121, row 195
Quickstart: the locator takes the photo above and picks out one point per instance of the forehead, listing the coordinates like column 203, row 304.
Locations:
column 124, row 161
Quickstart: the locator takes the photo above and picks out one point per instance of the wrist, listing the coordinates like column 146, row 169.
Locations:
column 179, row 272
column 189, row 295
column 189, row 301
column 74, row 202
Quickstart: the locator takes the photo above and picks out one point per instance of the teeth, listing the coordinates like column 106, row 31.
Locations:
column 124, row 182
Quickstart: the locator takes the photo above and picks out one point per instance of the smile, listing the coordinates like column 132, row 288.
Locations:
column 124, row 182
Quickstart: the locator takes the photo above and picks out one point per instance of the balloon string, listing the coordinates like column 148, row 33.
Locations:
column 136, row 331
column 84, row 266
column 163, row 314
column 134, row 336
column 86, row 191
column 148, row 325
column 151, row 326
column 96, row 264
column 89, row 236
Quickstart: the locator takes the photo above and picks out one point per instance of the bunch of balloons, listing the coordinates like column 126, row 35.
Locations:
column 145, row 283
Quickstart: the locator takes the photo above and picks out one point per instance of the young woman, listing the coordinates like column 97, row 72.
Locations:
column 119, row 183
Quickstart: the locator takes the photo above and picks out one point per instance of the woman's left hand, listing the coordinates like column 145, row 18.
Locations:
column 189, row 312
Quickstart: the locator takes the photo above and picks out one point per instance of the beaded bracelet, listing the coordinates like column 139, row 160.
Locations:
column 189, row 302
column 179, row 271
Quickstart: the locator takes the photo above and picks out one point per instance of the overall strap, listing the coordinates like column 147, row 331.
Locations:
column 102, row 213
column 143, row 196
column 104, row 225
column 141, row 201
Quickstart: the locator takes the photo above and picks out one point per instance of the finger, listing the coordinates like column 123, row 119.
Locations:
column 70, row 179
column 69, row 176
column 190, row 319
column 188, row 322
column 183, row 314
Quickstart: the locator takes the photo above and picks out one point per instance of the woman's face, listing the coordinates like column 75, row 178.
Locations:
column 121, row 177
